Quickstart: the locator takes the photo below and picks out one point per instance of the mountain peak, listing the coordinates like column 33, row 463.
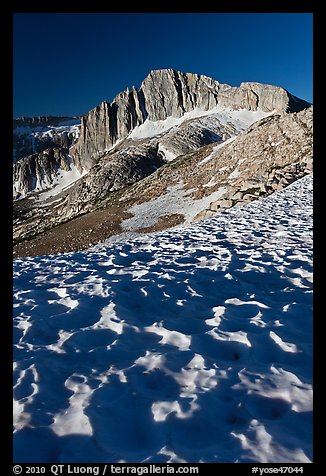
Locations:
column 168, row 93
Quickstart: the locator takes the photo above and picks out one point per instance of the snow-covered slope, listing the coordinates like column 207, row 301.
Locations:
column 190, row 345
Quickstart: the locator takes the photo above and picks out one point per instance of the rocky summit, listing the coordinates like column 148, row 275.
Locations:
column 178, row 149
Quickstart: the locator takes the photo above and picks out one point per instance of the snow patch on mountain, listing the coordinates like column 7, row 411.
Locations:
column 168, row 155
column 215, row 148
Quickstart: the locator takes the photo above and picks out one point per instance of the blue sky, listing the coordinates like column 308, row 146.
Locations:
column 66, row 64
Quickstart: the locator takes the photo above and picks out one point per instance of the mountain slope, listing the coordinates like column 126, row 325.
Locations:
column 219, row 371
column 36, row 134
column 267, row 156
column 165, row 99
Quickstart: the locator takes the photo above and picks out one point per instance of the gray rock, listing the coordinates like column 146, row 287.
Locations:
column 203, row 215
column 309, row 164
column 214, row 206
column 131, row 161
column 226, row 203
column 114, row 172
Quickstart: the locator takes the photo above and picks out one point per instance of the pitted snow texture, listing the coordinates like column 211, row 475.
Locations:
column 191, row 345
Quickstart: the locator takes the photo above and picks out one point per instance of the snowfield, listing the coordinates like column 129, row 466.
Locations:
column 189, row 345
column 241, row 119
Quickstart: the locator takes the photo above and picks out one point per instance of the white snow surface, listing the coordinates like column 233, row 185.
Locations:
column 189, row 345
column 241, row 120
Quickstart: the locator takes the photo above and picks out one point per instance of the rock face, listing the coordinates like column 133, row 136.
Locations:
column 165, row 93
column 39, row 171
column 35, row 134
column 189, row 136
column 196, row 133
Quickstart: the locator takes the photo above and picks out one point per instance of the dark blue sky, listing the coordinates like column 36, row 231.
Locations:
column 66, row 64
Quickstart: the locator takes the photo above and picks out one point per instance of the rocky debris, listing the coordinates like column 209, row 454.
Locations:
column 36, row 134
column 277, row 179
column 80, row 233
column 266, row 157
column 164, row 222
column 165, row 93
column 189, row 136
column 271, row 155
column 39, row 170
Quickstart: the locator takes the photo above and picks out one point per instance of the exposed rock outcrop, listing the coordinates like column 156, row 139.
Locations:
column 273, row 153
column 196, row 133
column 216, row 154
column 121, row 169
column 42, row 121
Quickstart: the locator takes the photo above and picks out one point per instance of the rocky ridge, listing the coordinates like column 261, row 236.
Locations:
column 270, row 155
column 124, row 165
column 38, row 171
